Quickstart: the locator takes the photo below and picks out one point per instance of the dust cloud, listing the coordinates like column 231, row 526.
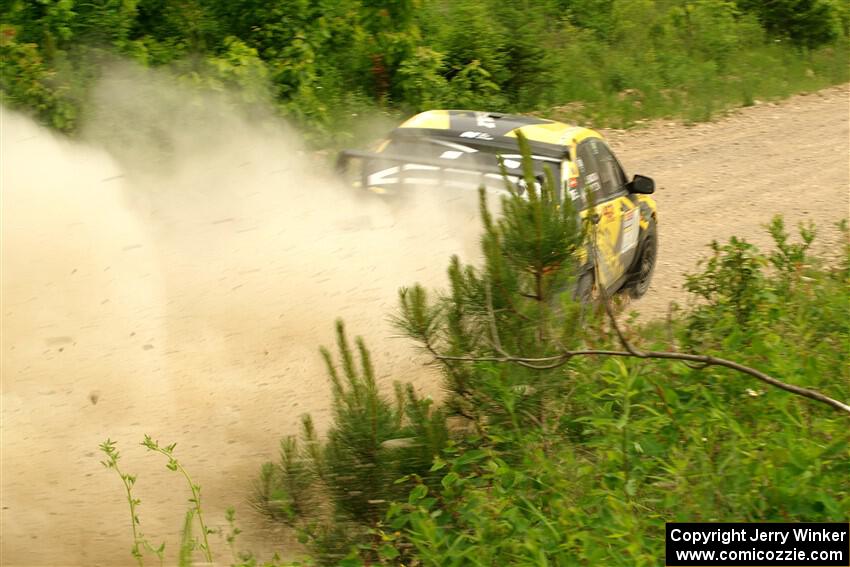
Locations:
column 173, row 273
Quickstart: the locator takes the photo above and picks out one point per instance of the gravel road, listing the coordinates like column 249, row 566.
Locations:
column 730, row 177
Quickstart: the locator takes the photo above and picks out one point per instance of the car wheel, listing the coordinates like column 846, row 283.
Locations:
column 646, row 264
column 583, row 292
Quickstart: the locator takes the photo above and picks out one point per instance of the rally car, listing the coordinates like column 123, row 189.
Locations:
column 462, row 149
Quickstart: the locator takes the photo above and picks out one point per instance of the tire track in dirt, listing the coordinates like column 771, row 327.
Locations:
column 189, row 305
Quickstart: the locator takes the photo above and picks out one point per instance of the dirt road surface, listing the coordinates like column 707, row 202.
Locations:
column 731, row 176
column 185, row 297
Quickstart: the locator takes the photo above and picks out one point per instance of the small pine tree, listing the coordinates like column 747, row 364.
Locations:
column 335, row 491
column 515, row 305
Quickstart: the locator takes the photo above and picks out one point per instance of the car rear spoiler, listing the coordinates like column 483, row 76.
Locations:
column 481, row 171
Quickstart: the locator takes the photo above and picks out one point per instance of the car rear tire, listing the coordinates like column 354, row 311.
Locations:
column 583, row 292
column 645, row 265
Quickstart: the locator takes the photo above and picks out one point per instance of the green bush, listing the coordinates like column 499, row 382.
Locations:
column 27, row 82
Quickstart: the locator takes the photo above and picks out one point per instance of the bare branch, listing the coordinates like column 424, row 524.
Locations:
column 603, row 293
column 697, row 361
column 551, row 362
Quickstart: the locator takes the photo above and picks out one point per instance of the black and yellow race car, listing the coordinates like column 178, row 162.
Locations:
column 462, row 149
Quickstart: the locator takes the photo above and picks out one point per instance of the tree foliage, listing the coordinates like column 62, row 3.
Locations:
column 806, row 23
column 322, row 61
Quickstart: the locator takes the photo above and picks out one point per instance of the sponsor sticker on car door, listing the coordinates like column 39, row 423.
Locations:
column 631, row 227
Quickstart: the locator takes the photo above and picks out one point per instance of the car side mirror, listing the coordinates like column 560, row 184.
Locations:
column 641, row 184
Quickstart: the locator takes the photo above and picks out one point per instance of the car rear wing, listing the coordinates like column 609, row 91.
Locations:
column 378, row 170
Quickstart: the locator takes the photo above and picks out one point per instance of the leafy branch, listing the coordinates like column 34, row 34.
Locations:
column 174, row 465
column 139, row 541
column 551, row 362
